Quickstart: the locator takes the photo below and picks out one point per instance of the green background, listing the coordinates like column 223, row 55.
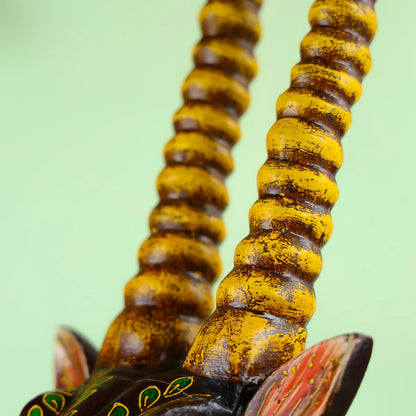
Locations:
column 87, row 92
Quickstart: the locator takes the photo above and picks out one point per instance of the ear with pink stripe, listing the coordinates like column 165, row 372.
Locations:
column 74, row 359
column 323, row 380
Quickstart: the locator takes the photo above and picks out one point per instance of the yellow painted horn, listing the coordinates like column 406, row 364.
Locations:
column 166, row 302
column 265, row 302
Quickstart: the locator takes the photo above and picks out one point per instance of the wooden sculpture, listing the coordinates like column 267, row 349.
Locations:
column 247, row 357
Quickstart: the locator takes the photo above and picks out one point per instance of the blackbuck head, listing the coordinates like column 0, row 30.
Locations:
column 162, row 354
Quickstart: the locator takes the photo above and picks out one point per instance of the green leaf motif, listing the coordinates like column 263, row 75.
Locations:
column 54, row 401
column 86, row 394
column 178, row 386
column 35, row 411
column 148, row 397
column 118, row 410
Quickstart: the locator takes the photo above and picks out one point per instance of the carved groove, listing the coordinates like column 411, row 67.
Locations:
column 265, row 302
column 180, row 259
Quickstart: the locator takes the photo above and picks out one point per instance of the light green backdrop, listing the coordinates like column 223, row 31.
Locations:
column 87, row 91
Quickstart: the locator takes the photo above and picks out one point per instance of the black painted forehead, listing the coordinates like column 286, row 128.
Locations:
column 129, row 392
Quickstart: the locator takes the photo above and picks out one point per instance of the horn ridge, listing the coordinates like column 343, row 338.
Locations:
column 265, row 302
column 166, row 302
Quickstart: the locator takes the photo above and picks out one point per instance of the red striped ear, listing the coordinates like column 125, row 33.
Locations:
column 74, row 359
column 323, row 380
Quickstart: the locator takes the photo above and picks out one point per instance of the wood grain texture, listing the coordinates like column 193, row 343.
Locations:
column 265, row 302
column 166, row 302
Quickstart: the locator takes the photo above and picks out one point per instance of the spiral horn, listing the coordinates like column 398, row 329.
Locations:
column 166, row 302
column 263, row 305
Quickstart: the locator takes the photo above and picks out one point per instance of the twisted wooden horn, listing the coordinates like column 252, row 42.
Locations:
column 166, row 301
column 265, row 302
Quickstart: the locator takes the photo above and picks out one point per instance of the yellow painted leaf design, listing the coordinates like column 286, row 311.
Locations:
column 148, row 397
column 119, row 409
column 35, row 410
column 178, row 386
column 54, row 401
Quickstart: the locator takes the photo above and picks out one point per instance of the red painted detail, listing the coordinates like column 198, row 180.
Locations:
column 71, row 367
column 309, row 384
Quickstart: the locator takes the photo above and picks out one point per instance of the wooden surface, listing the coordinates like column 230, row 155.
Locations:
column 283, row 308
column 167, row 301
column 265, row 302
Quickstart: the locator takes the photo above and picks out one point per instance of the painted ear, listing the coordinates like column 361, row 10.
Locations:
column 323, row 380
column 74, row 359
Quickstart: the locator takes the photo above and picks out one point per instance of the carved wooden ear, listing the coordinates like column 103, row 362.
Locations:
column 323, row 380
column 74, row 359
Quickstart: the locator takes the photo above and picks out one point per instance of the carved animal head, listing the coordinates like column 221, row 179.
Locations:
column 325, row 377
column 247, row 357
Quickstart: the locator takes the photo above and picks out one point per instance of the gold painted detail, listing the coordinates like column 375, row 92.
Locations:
column 148, row 397
column 178, row 385
column 35, row 410
column 267, row 299
column 54, row 402
column 82, row 397
column 151, row 394
column 295, row 407
column 118, row 409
